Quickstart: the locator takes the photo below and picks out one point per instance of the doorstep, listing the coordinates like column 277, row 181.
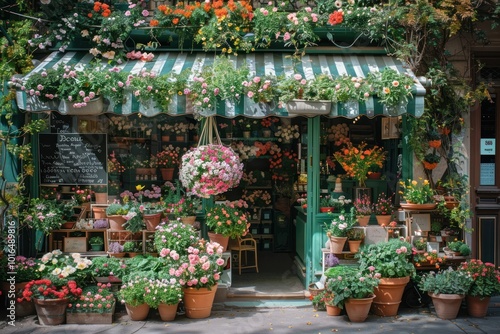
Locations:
column 247, row 298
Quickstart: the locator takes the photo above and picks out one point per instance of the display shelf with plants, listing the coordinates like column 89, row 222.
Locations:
column 56, row 238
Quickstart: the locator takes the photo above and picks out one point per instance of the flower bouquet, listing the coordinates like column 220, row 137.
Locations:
column 229, row 219
column 356, row 161
column 210, row 170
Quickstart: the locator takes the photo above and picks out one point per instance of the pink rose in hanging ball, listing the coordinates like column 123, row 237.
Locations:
column 210, row 170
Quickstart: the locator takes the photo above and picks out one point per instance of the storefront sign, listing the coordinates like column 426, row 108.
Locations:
column 73, row 158
column 487, row 146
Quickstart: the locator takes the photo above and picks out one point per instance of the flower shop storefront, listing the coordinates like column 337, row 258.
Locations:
column 368, row 121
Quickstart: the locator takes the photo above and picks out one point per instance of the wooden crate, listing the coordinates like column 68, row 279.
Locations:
column 75, row 244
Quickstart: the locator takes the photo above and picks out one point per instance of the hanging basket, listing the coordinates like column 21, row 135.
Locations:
column 210, row 168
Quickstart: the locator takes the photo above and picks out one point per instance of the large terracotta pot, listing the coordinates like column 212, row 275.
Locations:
column 152, row 221
column 137, row 313
column 198, row 302
column 23, row 308
column 337, row 244
column 357, row 309
column 167, row 312
column 51, row 312
column 220, row 239
column 388, row 296
column 477, row 306
column 447, row 305
column 99, row 212
column 116, row 222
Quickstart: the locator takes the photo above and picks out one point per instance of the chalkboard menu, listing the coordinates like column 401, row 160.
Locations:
column 73, row 158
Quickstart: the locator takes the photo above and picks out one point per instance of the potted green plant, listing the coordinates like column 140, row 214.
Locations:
column 392, row 88
column 418, row 194
column 229, row 220
column 456, row 248
column 165, row 296
column 352, row 286
column 115, row 249
column 108, row 269
column 447, row 289
column 96, row 243
column 132, row 295
column 131, row 248
column 486, row 284
column 115, row 212
column 355, row 237
column 392, row 259
column 336, row 230
column 382, row 209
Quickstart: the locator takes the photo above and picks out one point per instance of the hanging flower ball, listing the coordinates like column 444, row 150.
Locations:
column 210, row 170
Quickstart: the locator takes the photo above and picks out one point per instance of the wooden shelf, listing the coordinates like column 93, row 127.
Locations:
column 57, row 237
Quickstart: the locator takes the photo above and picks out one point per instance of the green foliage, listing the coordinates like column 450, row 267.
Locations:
column 446, row 282
column 392, row 259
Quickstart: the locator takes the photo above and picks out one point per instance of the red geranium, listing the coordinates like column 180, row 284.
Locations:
column 46, row 289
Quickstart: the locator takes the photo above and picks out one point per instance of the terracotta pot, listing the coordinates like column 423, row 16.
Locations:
column 447, row 305
column 219, row 238
column 167, row 312
column 354, row 245
column 314, row 291
column 477, row 307
column 167, row 174
column 198, row 302
column 333, row 310
column 189, row 220
column 363, row 220
column 51, row 312
column 99, row 213
column 118, row 255
column 137, row 313
column 116, row 222
column 357, row 309
column 68, row 225
column 383, row 220
column 152, row 221
column 326, row 209
column 430, row 165
column 101, row 198
column 337, row 244
column 388, row 296
column 374, row 175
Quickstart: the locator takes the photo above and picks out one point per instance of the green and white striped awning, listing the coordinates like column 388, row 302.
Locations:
column 260, row 64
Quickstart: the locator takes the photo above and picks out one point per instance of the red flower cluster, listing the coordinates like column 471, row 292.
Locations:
column 336, row 18
column 101, row 8
column 168, row 159
column 283, row 165
column 268, row 121
column 46, row 289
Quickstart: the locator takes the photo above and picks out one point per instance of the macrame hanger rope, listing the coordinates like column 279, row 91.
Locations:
column 209, row 133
